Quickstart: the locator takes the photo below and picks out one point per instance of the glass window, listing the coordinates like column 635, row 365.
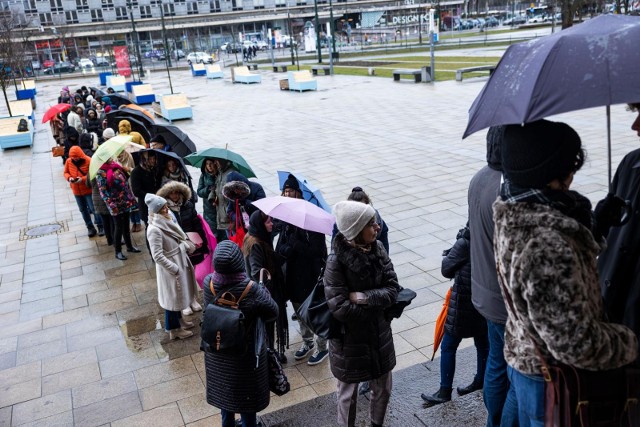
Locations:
column 192, row 8
column 56, row 5
column 96, row 15
column 169, row 10
column 121, row 13
column 71, row 17
column 145, row 12
column 214, row 6
column 30, row 6
column 45, row 19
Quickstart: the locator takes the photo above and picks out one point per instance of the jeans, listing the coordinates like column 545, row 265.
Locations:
column 448, row 350
column 85, row 205
column 501, row 411
column 529, row 391
column 229, row 418
column 135, row 217
column 307, row 334
column 172, row 320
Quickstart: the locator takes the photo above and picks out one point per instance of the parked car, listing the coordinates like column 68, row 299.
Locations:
column 48, row 63
column 101, row 62
column 492, row 21
column 262, row 45
column 178, row 53
column 60, row 67
column 231, row 48
column 35, row 65
column 85, row 63
column 199, row 57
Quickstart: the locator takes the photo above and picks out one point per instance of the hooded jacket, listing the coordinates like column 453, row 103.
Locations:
column 547, row 262
column 124, row 128
column 256, row 192
column 206, row 191
column 77, row 166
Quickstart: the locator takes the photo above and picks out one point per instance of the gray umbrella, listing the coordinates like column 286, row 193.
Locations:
column 589, row 65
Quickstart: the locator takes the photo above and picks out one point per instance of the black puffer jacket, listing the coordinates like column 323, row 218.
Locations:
column 364, row 351
column 233, row 382
column 144, row 181
column 463, row 320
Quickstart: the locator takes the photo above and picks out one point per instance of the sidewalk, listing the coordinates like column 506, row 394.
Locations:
column 65, row 301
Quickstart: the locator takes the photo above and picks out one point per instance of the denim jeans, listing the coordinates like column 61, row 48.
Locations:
column 449, row 347
column 135, row 217
column 228, row 418
column 529, row 392
column 501, row 410
column 172, row 320
column 85, row 205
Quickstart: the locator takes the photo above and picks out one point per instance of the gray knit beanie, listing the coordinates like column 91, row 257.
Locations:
column 227, row 258
column 351, row 217
column 155, row 203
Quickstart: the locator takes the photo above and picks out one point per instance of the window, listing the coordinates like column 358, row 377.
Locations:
column 121, row 14
column 281, row 3
column 258, row 4
column 45, row 19
column 82, row 5
column 192, row 8
column 30, row 7
column 214, row 6
column 235, row 6
column 179, row 1
column 301, row 3
column 145, row 12
column 56, row 5
column 132, row 3
column 169, row 9
column 96, row 15
column 107, row 4
column 71, row 17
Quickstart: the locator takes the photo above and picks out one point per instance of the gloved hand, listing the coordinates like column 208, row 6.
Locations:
column 609, row 212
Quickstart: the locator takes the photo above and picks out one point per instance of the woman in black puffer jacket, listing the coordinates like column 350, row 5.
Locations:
column 463, row 321
column 234, row 383
column 359, row 284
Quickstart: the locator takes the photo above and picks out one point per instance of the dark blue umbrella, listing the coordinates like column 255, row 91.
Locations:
column 309, row 192
column 588, row 65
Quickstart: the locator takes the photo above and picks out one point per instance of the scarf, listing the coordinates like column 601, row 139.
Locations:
column 175, row 206
column 570, row 203
column 78, row 162
column 168, row 227
column 228, row 279
column 177, row 176
column 110, row 168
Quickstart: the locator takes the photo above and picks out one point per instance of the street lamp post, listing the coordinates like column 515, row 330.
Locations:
column 315, row 5
column 291, row 38
column 333, row 38
column 136, row 41
column 167, row 57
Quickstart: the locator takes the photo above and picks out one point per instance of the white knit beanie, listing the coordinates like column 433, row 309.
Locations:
column 155, row 203
column 108, row 133
column 351, row 217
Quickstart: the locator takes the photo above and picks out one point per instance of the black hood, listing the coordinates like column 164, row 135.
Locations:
column 494, row 147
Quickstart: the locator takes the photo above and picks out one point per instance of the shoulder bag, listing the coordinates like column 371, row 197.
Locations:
column 315, row 314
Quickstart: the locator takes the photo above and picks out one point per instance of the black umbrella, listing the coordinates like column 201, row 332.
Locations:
column 117, row 100
column 98, row 92
column 179, row 141
column 136, row 125
column 127, row 113
column 163, row 158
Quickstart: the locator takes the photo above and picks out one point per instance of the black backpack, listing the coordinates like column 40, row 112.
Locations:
column 223, row 324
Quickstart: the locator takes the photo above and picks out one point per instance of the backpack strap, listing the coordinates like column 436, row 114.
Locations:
column 246, row 291
column 213, row 291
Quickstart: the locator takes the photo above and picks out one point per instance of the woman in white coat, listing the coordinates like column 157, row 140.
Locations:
column 170, row 247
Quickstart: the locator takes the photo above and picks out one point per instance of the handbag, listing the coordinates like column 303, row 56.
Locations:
column 238, row 236
column 278, row 381
column 57, row 151
column 405, row 296
column 315, row 314
column 580, row 398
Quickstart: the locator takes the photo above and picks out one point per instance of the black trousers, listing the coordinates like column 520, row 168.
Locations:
column 121, row 231
column 107, row 224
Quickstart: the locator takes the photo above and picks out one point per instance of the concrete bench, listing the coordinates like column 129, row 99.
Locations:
column 417, row 74
column 214, row 71
column 117, row 83
column 281, row 67
column 23, row 108
column 243, row 75
column 301, row 80
column 252, row 66
column 9, row 135
column 461, row 71
column 325, row 68
column 198, row 69
column 173, row 107
column 142, row 94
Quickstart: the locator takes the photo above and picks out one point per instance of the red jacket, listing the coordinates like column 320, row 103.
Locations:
column 73, row 170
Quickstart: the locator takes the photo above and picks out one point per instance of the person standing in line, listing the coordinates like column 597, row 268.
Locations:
column 206, row 188
column 223, row 223
column 74, row 119
column 484, row 189
column 359, row 283
column 145, row 179
column 76, row 169
column 170, row 249
column 546, row 259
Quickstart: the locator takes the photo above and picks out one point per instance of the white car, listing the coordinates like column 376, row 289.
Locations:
column 199, row 57
column 85, row 63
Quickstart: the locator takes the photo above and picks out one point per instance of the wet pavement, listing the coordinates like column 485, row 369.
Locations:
column 81, row 343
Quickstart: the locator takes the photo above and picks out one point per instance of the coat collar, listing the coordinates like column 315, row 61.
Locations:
column 354, row 259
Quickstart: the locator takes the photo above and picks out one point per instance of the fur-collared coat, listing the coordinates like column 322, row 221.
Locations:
column 364, row 350
column 547, row 262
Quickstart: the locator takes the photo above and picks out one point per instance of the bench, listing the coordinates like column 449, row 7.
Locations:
column 325, row 68
column 197, row 69
column 301, row 80
column 23, row 108
column 417, row 74
column 9, row 135
column 172, row 107
column 281, row 67
column 28, row 85
column 243, row 75
column 214, row 71
column 461, row 71
column 117, row 83
column 252, row 66
column 142, row 94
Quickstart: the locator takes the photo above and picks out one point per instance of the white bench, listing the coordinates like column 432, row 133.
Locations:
column 117, row 83
column 242, row 74
column 172, row 107
column 142, row 94
column 214, row 71
column 301, row 80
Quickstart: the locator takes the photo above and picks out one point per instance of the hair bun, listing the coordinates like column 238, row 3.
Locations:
column 356, row 189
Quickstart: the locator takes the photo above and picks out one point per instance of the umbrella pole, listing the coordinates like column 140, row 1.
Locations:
column 609, row 145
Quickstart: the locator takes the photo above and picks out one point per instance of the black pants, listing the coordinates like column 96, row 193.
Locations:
column 107, row 224
column 121, row 231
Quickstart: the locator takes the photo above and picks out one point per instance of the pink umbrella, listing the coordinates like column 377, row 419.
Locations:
column 298, row 212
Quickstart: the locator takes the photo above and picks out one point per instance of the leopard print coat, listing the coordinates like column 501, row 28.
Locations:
column 547, row 262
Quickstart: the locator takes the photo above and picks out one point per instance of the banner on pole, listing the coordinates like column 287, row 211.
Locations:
column 122, row 60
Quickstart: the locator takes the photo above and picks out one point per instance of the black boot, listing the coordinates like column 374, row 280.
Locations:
column 133, row 250
column 120, row 256
column 470, row 388
column 441, row 396
column 92, row 232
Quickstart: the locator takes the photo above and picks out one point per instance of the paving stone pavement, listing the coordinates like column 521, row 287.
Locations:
column 64, row 298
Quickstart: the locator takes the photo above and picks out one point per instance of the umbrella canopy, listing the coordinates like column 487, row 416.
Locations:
column 117, row 99
column 141, row 109
column 135, row 114
column 136, row 125
column 107, row 150
column 53, row 111
column 588, row 65
column 309, row 192
column 298, row 212
column 179, row 141
column 99, row 92
column 440, row 321
column 241, row 165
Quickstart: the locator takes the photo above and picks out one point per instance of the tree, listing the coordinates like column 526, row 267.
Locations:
column 9, row 22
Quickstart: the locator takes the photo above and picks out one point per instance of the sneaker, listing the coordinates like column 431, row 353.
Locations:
column 304, row 351
column 195, row 306
column 100, row 231
column 92, row 232
column 187, row 311
column 318, row 357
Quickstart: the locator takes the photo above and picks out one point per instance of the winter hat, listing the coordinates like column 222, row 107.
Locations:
column 292, row 183
column 124, row 126
column 227, row 258
column 534, row 154
column 351, row 217
column 107, row 109
column 108, row 133
column 155, row 203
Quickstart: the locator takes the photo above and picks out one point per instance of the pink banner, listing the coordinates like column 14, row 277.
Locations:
column 122, row 60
